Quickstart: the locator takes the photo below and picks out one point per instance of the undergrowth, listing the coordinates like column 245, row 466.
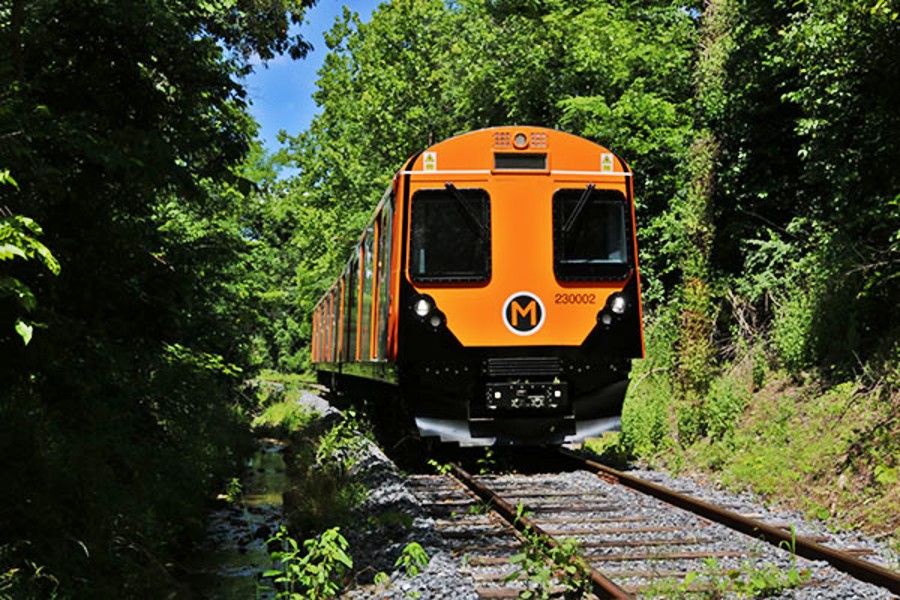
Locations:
column 829, row 448
column 324, row 495
column 279, row 403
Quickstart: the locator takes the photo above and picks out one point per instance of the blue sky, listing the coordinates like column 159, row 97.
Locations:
column 281, row 92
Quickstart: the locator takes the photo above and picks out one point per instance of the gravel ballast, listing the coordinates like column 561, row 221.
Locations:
column 392, row 516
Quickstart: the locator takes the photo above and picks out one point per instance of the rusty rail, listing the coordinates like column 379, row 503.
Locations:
column 843, row 561
column 602, row 587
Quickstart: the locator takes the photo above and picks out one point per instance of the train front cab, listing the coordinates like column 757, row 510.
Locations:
column 519, row 306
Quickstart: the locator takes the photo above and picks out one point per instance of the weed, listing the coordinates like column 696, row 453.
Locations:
column 321, row 492
column 313, row 572
column 748, row 581
column 32, row 581
column 541, row 563
column 480, row 508
column 487, row 463
column 341, row 444
column 412, row 559
column 233, row 490
column 440, row 468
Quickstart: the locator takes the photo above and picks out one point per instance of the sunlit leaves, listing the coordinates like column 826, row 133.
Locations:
column 18, row 241
column 24, row 330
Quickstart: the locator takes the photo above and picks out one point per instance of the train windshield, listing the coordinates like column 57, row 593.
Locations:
column 589, row 234
column 450, row 235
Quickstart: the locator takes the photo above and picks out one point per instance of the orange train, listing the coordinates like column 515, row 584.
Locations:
column 497, row 285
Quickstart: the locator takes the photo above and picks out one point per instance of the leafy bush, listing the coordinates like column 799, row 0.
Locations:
column 728, row 396
column 286, row 413
column 313, row 573
column 647, row 412
column 323, row 491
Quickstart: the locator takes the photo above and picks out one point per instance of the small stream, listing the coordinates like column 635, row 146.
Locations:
column 228, row 564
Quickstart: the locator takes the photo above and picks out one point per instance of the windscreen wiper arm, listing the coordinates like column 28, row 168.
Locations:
column 468, row 209
column 579, row 206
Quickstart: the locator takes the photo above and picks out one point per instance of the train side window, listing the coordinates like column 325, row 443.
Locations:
column 384, row 264
column 450, row 235
column 352, row 290
column 345, row 317
column 590, row 240
column 333, row 304
column 315, row 336
column 365, row 305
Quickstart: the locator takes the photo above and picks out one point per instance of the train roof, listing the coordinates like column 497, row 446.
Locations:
column 516, row 149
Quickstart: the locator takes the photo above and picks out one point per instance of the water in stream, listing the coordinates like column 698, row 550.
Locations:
column 227, row 566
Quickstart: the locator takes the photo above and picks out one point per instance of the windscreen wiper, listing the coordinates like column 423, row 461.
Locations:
column 579, row 206
column 468, row 209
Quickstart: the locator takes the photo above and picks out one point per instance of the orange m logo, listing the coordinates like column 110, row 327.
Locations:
column 530, row 310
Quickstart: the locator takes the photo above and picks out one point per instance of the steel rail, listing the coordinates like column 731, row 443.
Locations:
column 602, row 587
column 843, row 561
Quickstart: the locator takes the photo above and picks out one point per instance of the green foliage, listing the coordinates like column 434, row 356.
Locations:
column 313, row 572
column 286, row 414
column 413, row 559
column 647, row 411
column 29, row 580
column 18, row 241
column 124, row 124
column 440, row 468
column 233, row 490
column 543, row 564
column 323, row 491
column 748, row 581
column 486, row 463
column 279, row 397
column 340, row 445
column 418, row 72
column 727, row 398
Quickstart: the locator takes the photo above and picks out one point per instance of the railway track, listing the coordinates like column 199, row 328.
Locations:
column 633, row 538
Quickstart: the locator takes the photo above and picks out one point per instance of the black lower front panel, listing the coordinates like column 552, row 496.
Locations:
column 535, row 399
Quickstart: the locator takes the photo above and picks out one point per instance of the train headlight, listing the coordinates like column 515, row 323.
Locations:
column 422, row 307
column 520, row 141
column 618, row 304
column 436, row 320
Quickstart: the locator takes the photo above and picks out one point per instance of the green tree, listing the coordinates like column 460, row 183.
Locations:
column 423, row 70
column 18, row 241
column 125, row 124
